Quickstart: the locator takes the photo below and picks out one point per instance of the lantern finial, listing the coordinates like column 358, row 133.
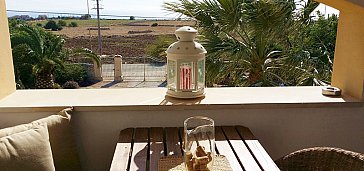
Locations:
column 186, row 34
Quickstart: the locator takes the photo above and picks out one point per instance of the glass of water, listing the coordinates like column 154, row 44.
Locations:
column 199, row 143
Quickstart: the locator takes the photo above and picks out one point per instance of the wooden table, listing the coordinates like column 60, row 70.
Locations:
column 141, row 148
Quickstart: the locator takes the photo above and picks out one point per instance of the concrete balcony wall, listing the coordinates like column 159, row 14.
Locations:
column 280, row 130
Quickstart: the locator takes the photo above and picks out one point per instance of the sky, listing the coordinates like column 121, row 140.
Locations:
column 146, row 8
column 112, row 7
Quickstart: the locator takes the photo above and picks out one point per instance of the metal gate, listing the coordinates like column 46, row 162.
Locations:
column 143, row 69
column 107, row 67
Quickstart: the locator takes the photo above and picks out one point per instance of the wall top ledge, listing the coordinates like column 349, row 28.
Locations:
column 155, row 99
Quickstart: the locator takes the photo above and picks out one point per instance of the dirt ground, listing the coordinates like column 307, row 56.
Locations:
column 118, row 40
column 130, row 46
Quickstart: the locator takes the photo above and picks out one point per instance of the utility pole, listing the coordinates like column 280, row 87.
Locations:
column 89, row 30
column 88, row 8
column 99, row 49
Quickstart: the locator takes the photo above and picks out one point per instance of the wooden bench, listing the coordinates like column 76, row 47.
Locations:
column 141, row 148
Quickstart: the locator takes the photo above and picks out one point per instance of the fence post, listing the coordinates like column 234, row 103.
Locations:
column 144, row 68
column 97, row 71
column 117, row 68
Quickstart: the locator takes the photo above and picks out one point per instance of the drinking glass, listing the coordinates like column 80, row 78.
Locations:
column 199, row 143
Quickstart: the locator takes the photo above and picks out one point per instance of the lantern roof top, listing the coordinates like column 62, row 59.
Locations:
column 188, row 48
column 186, row 44
column 186, row 33
column 186, row 29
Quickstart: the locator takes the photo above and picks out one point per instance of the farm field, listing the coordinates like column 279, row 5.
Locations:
column 119, row 37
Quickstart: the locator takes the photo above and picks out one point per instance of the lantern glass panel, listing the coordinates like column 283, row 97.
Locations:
column 172, row 75
column 201, row 74
column 187, row 76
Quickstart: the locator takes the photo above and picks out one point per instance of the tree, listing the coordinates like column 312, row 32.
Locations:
column 23, row 69
column 312, row 50
column 131, row 18
column 51, row 24
column 14, row 23
column 250, row 42
column 241, row 37
column 43, row 52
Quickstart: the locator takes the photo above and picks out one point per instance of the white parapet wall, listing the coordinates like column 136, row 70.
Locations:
column 283, row 119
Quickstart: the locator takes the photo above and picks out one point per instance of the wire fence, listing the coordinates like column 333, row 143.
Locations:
column 143, row 69
column 136, row 69
column 108, row 66
column 108, row 72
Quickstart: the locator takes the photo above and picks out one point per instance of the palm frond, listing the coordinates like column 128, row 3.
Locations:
column 84, row 52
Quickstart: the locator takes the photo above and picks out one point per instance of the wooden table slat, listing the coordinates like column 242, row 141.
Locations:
column 172, row 141
column 245, row 133
column 181, row 139
column 122, row 151
column 156, row 147
column 140, row 150
column 257, row 149
column 241, row 150
column 224, row 148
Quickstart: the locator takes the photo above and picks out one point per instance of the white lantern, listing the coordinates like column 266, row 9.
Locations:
column 186, row 65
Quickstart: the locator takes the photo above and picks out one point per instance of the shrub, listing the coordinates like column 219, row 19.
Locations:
column 39, row 24
column 51, row 24
column 154, row 24
column 59, row 28
column 70, row 85
column 56, row 86
column 159, row 46
column 71, row 72
column 73, row 24
column 62, row 23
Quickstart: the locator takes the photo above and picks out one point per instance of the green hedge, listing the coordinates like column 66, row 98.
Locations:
column 71, row 72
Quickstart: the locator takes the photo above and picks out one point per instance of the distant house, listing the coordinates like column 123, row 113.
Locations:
column 42, row 17
column 85, row 17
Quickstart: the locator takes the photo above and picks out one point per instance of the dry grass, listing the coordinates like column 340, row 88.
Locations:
column 120, row 27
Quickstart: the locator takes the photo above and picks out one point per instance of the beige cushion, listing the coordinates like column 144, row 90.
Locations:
column 27, row 150
column 61, row 137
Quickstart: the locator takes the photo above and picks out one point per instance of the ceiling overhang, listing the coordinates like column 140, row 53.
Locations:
column 344, row 4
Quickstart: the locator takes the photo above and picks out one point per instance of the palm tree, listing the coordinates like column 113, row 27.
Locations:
column 247, row 40
column 43, row 52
